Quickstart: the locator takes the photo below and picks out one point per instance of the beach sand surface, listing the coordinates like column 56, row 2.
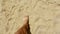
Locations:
column 44, row 16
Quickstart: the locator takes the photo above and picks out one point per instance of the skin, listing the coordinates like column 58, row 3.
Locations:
column 25, row 29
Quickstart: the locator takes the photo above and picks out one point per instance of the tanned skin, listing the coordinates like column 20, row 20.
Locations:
column 25, row 29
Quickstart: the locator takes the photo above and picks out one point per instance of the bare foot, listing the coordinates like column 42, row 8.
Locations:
column 25, row 29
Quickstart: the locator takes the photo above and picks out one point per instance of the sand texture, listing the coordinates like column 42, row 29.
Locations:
column 44, row 16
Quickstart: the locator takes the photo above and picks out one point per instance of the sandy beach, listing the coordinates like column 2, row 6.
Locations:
column 44, row 16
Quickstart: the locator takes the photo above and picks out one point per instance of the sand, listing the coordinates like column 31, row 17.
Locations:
column 44, row 16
